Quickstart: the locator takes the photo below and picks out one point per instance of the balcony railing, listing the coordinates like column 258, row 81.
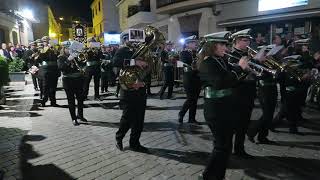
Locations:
column 163, row 3
column 134, row 9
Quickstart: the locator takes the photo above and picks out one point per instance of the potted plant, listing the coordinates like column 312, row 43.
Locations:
column 4, row 71
column 15, row 70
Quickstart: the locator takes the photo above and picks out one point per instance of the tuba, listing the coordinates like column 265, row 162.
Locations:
column 130, row 75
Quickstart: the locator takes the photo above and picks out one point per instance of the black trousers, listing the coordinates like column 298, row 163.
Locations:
column 190, row 104
column 291, row 108
column 74, row 90
column 49, row 86
column 104, row 82
column 133, row 106
column 192, row 87
column 34, row 81
column 268, row 99
column 95, row 73
column 221, row 123
column 245, row 99
column 168, row 82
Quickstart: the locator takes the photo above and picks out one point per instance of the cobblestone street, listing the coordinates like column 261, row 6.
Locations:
column 42, row 144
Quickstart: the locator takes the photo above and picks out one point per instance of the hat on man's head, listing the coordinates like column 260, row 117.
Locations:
column 302, row 41
column 124, row 35
column 169, row 42
column 242, row 34
column 33, row 43
column 45, row 39
column 66, row 43
column 222, row 37
column 189, row 39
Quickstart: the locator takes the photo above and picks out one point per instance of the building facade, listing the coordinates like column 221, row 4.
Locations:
column 105, row 17
column 15, row 27
column 181, row 18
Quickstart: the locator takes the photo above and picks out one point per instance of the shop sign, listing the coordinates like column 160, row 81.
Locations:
column 267, row 5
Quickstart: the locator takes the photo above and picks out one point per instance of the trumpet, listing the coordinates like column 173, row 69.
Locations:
column 271, row 63
column 255, row 68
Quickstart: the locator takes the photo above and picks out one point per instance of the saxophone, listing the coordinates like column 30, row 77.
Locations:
column 130, row 75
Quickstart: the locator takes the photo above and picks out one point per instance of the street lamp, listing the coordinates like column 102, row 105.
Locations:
column 27, row 13
column 61, row 18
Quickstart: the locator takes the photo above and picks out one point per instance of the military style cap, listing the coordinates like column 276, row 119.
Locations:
column 32, row 43
column 124, row 35
column 302, row 41
column 242, row 34
column 38, row 41
column 45, row 39
column 169, row 42
column 66, row 43
column 218, row 37
column 192, row 38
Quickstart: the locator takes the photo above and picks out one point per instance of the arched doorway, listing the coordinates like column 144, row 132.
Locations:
column 2, row 36
column 15, row 37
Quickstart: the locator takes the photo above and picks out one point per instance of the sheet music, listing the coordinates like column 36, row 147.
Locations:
column 180, row 64
column 274, row 50
column 260, row 54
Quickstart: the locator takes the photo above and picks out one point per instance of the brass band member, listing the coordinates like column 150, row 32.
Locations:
column 219, row 80
column 106, row 68
column 33, row 64
column 72, row 80
column 168, row 70
column 133, row 103
column 50, row 73
column 93, row 70
column 191, row 80
column 246, row 92
column 267, row 94
column 294, row 94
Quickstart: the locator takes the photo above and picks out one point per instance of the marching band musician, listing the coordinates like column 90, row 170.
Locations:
column 133, row 103
column 246, row 92
column 106, row 68
column 219, row 80
column 72, row 80
column 93, row 69
column 294, row 93
column 267, row 95
column 50, row 72
column 168, row 70
column 191, row 81
column 33, row 64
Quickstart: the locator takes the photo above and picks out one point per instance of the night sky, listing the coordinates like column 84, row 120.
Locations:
column 74, row 8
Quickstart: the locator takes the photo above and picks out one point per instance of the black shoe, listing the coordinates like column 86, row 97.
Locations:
column 161, row 98
column 43, row 104
column 251, row 139
column 243, row 154
column 295, row 131
column 139, row 148
column 265, row 141
column 193, row 121
column 119, row 145
column 180, row 119
column 102, row 91
column 82, row 119
column 97, row 98
column 54, row 105
column 75, row 122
